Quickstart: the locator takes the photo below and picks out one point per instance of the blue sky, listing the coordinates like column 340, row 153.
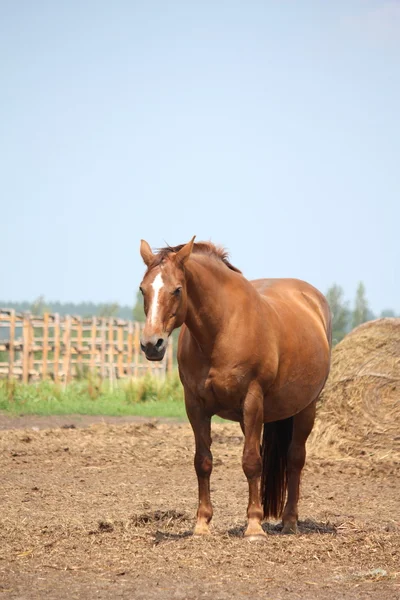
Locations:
column 271, row 128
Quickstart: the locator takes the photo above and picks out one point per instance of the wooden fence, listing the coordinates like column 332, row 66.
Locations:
column 63, row 348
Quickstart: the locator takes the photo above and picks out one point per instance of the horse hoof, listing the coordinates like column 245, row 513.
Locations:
column 290, row 529
column 201, row 530
column 260, row 537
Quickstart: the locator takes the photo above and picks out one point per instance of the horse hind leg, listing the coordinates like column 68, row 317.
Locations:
column 302, row 425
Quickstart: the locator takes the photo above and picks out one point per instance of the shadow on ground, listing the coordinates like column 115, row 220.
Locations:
column 309, row 526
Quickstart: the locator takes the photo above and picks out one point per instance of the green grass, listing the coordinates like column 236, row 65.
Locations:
column 148, row 397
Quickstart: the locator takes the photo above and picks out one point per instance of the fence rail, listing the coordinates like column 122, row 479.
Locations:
column 63, row 348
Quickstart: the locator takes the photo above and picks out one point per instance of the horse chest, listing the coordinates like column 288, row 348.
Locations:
column 225, row 385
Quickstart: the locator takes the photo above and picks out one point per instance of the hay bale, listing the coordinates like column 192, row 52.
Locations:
column 359, row 412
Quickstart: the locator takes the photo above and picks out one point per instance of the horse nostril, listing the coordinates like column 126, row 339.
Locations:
column 143, row 347
column 160, row 342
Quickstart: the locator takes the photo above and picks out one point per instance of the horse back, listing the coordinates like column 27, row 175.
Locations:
column 296, row 297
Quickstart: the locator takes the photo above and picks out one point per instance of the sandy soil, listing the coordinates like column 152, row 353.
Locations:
column 106, row 511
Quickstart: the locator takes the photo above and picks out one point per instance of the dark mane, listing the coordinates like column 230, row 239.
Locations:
column 207, row 248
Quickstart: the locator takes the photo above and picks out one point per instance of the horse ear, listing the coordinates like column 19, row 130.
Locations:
column 146, row 253
column 185, row 252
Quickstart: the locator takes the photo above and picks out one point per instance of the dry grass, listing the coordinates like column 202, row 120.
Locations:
column 111, row 508
column 359, row 411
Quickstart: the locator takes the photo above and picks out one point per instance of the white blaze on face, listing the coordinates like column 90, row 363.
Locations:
column 157, row 285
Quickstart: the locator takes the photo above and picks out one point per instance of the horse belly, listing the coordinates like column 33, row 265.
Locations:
column 230, row 415
column 296, row 387
column 284, row 405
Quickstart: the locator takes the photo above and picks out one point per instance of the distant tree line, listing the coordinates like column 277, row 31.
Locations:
column 346, row 316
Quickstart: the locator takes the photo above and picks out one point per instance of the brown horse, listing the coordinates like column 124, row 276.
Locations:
column 254, row 352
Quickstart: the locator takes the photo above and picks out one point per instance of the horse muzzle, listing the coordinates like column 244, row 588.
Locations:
column 154, row 347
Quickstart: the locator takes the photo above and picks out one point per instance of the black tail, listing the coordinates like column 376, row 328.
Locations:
column 274, row 451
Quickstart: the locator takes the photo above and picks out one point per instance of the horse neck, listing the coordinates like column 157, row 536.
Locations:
column 209, row 300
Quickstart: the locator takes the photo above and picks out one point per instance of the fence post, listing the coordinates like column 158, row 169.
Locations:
column 130, row 349
column 103, row 348
column 136, row 349
column 111, row 350
column 120, row 333
column 56, row 366
column 93, row 333
column 31, row 344
column 45, row 351
column 79, row 349
column 25, row 348
column 11, row 354
column 67, row 348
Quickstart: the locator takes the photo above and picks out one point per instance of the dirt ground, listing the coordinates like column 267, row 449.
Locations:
column 105, row 510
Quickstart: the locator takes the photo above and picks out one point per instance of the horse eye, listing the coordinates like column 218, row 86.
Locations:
column 177, row 291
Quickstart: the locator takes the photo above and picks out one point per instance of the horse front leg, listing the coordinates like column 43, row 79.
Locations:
column 201, row 425
column 252, row 424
